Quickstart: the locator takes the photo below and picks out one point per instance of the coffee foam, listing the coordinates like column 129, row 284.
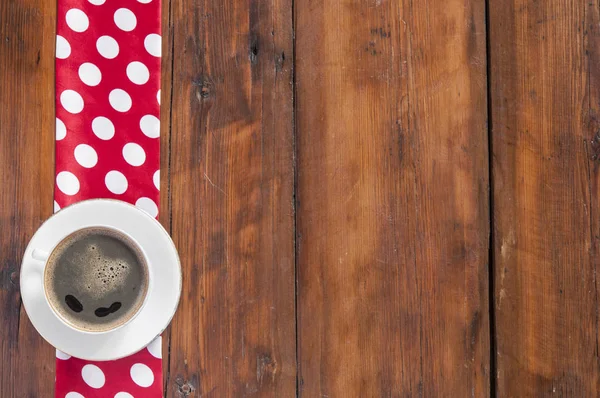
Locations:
column 104, row 275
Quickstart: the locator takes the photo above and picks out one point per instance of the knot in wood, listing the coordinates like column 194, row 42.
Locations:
column 204, row 87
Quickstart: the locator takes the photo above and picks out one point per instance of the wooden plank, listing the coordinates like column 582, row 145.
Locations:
column 27, row 123
column 392, row 212
column 232, row 199
column 544, row 96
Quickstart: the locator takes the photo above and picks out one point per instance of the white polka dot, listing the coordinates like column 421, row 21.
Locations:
column 156, row 179
column 71, row 101
column 119, row 100
column 138, row 73
column 142, row 375
column 61, row 130
column 63, row 48
column 90, row 74
column 115, row 182
column 125, row 19
column 123, row 395
column 77, row 20
column 155, row 347
column 145, row 1
column 56, row 209
column 74, row 394
column 67, row 183
column 150, row 126
column 149, row 207
column 93, row 376
column 153, row 43
column 134, row 154
column 97, row 2
column 158, row 97
column 107, row 47
column 60, row 354
column 103, row 128
column 86, row 156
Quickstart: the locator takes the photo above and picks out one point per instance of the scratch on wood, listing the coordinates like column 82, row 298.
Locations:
column 215, row 186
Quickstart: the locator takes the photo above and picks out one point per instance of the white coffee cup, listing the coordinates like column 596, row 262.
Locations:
column 164, row 280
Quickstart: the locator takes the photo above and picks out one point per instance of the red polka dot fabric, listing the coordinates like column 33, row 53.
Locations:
column 107, row 101
column 138, row 375
column 107, row 146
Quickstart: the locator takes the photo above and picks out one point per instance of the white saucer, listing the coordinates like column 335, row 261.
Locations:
column 163, row 291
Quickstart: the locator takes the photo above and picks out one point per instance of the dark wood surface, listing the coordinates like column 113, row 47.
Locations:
column 392, row 199
column 544, row 59
column 325, row 177
column 232, row 207
column 27, row 123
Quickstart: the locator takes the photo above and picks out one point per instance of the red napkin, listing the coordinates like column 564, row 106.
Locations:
column 107, row 146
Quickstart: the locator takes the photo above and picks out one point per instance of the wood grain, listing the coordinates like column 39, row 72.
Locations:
column 544, row 59
column 231, row 166
column 26, row 176
column 392, row 211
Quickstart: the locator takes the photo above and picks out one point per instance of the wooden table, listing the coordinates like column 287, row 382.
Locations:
column 378, row 198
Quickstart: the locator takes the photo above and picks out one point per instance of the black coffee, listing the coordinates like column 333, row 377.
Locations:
column 96, row 279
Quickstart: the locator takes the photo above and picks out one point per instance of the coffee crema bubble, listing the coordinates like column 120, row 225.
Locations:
column 96, row 279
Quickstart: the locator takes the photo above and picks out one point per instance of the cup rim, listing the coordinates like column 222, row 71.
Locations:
column 131, row 241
